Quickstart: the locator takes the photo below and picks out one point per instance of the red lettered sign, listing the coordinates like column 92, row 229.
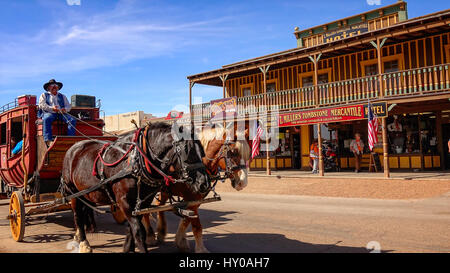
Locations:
column 328, row 115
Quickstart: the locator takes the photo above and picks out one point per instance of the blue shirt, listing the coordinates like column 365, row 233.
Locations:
column 18, row 148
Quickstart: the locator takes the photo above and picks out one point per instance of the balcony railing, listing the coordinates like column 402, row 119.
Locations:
column 419, row 81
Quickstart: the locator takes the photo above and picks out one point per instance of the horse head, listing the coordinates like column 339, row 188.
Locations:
column 189, row 152
column 228, row 151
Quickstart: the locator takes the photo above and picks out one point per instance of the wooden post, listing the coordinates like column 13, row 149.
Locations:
column 315, row 59
column 224, row 80
column 380, row 82
column 440, row 140
column 264, row 70
column 25, row 171
column 385, row 149
column 378, row 47
column 319, row 144
column 191, row 84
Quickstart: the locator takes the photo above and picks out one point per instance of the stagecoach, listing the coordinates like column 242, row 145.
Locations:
column 30, row 178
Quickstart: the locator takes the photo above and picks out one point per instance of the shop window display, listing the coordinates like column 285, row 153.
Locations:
column 412, row 133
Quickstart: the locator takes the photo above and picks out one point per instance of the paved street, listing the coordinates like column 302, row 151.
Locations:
column 253, row 222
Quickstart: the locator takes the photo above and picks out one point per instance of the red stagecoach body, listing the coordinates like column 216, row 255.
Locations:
column 19, row 119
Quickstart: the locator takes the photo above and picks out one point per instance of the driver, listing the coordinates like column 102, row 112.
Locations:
column 52, row 106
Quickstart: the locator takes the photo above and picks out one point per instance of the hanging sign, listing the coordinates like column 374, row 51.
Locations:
column 224, row 108
column 345, row 32
column 329, row 115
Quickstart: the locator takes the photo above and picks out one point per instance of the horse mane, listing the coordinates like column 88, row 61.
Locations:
column 209, row 134
column 242, row 146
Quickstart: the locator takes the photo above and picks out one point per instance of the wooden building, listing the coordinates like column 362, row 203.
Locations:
column 378, row 56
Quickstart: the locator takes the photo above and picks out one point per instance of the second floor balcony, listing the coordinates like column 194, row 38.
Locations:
column 416, row 82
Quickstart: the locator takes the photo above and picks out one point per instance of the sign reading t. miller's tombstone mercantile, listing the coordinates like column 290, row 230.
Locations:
column 346, row 32
column 331, row 115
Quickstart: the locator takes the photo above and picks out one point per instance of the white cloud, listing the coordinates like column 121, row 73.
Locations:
column 105, row 39
column 73, row 2
column 373, row 2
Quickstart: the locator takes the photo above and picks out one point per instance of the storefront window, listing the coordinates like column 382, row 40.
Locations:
column 283, row 145
column 412, row 133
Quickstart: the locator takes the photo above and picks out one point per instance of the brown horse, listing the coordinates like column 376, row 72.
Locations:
column 219, row 153
column 139, row 165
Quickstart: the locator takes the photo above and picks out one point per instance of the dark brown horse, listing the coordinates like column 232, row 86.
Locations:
column 150, row 158
column 232, row 156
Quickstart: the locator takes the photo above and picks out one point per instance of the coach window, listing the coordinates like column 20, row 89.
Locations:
column 3, row 133
column 16, row 129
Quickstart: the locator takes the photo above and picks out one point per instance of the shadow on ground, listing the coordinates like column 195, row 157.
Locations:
column 215, row 242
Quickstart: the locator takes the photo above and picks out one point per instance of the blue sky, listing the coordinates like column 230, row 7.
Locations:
column 136, row 54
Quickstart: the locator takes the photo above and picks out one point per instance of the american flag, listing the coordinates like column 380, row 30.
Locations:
column 372, row 127
column 255, row 142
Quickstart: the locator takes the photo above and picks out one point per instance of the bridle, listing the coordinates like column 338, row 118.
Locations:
column 143, row 167
column 168, row 160
column 225, row 153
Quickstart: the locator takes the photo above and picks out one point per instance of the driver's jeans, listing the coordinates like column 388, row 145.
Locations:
column 49, row 118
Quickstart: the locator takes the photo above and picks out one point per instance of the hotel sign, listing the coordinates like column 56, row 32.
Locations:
column 346, row 32
column 329, row 115
column 224, row 108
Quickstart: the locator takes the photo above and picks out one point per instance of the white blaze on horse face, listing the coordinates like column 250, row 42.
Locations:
column 243, row 178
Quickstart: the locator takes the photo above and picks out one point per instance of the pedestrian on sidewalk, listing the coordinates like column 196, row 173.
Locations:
column 357, row 147
column 314, row 156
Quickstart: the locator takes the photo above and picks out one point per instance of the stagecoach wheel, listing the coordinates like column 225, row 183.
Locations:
column 17, row 216
column 118, row 215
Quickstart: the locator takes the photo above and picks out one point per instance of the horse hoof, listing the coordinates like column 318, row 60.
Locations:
column 160, row 239
column 183, row 245
column 76, row 237
column 85, row 247
column 201, row 250
column 151, row 240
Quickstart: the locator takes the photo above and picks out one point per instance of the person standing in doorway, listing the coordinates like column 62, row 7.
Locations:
column 357, row 147
column 314, row 156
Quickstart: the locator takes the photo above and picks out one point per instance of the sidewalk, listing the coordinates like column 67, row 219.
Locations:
column 429, row 175
column 346, row 184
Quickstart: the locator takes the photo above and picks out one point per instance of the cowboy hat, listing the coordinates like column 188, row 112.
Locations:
column 52, row 81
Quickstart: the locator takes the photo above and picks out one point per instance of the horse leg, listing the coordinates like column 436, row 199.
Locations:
column 80, row 217
column 138, row 232
column 129, row 246
column 198, row 233
column 151, row 238
column 162, row 223
column 180, row 238
column 76, row 220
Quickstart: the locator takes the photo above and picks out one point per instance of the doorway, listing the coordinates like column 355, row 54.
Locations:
column 446, row 137
column 296, row 155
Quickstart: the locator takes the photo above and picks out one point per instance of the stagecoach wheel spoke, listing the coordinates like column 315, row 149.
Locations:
column 17, row 216
column 118, row 215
